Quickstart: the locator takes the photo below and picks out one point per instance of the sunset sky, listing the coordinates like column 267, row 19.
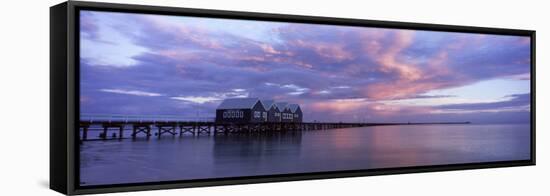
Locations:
column 137, row 64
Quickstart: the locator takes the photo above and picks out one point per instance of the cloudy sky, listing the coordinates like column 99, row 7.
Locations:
column 137, row 64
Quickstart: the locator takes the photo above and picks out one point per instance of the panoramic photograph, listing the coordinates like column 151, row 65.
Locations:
column 171, row 98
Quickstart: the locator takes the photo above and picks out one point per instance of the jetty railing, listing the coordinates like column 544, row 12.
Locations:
column 141, row 118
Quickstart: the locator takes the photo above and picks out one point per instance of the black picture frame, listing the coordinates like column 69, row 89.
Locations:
column 64, row 88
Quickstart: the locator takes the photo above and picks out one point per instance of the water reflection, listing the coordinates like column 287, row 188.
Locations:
column 256, row 153
column 189, row 157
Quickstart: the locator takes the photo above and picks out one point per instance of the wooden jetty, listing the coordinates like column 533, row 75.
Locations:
column 196, row 128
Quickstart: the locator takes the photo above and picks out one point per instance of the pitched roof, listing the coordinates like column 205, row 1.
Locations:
column 293, row 107
column 267, row 104
column 238, row 103
column 281, row 105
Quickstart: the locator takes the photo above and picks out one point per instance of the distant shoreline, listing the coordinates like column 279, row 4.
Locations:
column 419, row 123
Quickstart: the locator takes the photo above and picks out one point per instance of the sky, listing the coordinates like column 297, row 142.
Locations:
column 141, row 64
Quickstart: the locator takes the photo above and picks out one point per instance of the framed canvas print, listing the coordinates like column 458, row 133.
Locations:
column 146, row 97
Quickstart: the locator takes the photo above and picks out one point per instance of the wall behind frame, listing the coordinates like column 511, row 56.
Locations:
column 25, row 96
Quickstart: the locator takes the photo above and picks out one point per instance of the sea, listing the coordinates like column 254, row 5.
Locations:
column 189, row 157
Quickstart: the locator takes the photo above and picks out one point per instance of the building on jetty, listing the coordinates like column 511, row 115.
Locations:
column 296, row 112
column 284, row 112
column 241, row 110
column 273, row 112
column 254, row 110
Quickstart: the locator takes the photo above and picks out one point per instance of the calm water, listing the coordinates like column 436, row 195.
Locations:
column 188, row 157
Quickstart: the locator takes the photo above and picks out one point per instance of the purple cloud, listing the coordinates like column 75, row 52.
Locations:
column 517, row 100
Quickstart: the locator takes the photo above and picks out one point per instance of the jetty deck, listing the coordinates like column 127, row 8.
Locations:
column 149, row 128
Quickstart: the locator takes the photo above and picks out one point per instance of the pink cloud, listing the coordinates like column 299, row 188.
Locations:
column 181, row 33
column 337, row 106
column 402, row 89
column 352, row 106
column 388, row 56
column 525, row 41
column 269, row 49
column 413, row 77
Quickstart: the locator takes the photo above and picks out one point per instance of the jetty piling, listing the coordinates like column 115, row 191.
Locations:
column 201, row 127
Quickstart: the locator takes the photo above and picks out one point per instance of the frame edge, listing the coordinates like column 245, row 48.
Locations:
column 58, row 99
